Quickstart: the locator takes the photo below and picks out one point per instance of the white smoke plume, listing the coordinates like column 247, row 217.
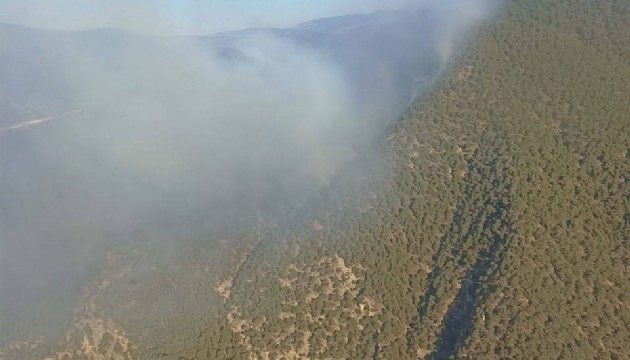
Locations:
column 150, row 135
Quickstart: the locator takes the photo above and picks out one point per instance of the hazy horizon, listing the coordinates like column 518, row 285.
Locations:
column 182, row 18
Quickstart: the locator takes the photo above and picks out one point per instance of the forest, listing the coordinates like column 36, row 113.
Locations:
column 491, row 221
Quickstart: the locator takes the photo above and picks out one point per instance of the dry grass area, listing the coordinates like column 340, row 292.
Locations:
column 303, row 287
column 94, row 336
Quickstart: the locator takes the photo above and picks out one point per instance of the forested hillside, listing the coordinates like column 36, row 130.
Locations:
column 492, row 221
column 502, row 229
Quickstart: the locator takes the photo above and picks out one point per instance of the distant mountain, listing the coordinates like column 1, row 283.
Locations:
column 367, row 47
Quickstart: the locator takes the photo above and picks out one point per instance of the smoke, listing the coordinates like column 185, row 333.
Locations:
column 176, row 121
column 154, row 137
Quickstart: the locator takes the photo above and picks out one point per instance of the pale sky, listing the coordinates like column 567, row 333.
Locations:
column 179, row 17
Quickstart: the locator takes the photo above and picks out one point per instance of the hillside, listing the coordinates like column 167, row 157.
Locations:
column 503, row 228
column 491, row 221
column 125, row 154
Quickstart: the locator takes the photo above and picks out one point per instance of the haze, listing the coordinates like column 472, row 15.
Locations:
column 184, row 17
column 156, row 138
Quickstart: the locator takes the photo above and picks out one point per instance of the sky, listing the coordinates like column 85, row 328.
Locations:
column 180, row 17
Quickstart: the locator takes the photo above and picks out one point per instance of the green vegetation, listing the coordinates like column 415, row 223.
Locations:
column 502, row 229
